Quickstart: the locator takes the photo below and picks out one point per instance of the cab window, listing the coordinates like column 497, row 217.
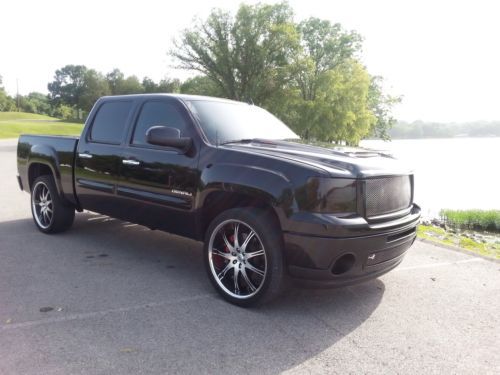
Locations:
column 110, row 122
column 157, row 113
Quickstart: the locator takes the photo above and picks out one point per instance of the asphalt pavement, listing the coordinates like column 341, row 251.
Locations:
column 109, row 297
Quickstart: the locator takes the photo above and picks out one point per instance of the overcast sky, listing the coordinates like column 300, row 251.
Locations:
column 442, row 56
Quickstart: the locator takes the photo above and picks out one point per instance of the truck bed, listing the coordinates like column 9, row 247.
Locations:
column 58, row 152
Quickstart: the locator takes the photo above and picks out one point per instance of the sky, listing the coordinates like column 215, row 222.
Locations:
column 442, row 56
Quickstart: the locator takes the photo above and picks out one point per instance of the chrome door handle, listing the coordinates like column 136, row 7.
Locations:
column 85, row 155
column 131, row 162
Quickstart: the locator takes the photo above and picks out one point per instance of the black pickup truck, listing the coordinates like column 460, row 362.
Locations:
column 266, row 205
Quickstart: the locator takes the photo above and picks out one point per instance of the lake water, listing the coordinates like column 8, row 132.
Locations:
column 454, row 173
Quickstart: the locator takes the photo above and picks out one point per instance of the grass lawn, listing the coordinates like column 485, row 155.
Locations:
column 12, row 124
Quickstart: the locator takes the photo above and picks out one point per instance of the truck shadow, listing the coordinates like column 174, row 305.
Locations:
column 129, row 265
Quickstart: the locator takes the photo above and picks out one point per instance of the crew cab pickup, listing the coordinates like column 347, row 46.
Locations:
column 266, row 204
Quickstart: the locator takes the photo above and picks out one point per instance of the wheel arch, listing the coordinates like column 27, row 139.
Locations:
column 227, row 186
column 43, row 160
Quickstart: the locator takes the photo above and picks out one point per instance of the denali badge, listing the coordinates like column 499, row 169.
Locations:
column 181, row 192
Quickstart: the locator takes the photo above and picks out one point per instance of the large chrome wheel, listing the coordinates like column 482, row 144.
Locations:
column 50, row 213
column 42, row 205
column 237, row 259
column 244, row 256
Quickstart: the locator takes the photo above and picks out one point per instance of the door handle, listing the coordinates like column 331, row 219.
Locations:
column 130, row 162
column 85, row 155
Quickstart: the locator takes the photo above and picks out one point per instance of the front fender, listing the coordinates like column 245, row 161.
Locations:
column 271, row 186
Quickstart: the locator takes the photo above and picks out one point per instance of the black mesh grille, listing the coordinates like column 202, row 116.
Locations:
column 387, row 194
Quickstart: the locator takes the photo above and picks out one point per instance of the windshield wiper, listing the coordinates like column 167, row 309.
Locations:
column 243, row 140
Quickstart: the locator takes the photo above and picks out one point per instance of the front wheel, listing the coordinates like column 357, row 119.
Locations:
column 244, row 256
column 50, row 213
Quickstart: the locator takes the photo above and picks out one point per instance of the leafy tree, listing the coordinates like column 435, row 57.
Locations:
column 68, row 85
column 305, row 73
column 324, row 47
column 244, row 55
column 64, row 112
column 340, row 112
column 35, row 102
column 115, row 79
column 381, row 105
column 7, row 104
column 166, row 85
column 130, row 85
column 119, row 85
column 94, row 86
column 149, row 85
column 201, row 85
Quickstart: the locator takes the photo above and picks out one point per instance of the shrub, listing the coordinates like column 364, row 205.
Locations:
column 472, row 219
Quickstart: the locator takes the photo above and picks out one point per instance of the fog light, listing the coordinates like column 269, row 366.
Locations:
column 343, row 264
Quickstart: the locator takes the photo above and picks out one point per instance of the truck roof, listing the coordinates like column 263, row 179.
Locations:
column 172, row 95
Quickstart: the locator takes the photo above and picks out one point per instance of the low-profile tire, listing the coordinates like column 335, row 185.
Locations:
column 246, row 244
column 50, row 213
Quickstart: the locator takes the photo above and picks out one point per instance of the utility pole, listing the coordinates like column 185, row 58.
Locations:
column 17, row 88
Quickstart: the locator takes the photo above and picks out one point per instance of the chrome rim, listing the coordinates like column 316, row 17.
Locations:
column 43, row 209
column 237, row 259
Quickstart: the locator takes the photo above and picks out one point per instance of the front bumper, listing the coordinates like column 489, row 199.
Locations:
column 338, row 261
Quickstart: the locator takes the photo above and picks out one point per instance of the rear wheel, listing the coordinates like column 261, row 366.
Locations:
column 50, row 213
column 244, row 257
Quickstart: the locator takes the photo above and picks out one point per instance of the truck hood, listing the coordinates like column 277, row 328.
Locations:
column 337, row 162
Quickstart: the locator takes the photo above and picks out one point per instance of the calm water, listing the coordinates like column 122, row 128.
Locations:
column 450, row 173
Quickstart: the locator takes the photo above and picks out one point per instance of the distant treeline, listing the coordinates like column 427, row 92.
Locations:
column 420, row 129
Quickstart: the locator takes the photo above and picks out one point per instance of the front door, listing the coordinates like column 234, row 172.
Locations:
column 157, row 185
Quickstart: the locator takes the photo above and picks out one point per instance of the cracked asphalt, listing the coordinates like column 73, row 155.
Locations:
column 109, row 297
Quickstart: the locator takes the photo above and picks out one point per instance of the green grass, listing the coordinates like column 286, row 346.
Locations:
column 12, row 124
column 487, row 220
column 9, row 116
column 441, row 236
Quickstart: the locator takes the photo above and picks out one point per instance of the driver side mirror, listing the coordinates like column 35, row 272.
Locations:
column 167, row 136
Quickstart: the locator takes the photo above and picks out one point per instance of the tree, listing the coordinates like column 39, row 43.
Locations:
column 119, row 85
column 344, row 104
column 166, row 85
column 94, row 86
column 68, row 85
column 169, row 85
column 324, row 47
column 7, row 104
column 381, row 105
column 35, row 102
column 246, row 55
column 115, row 79
column 201, row 85
column 339, row 112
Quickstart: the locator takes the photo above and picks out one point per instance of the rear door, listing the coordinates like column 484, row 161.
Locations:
column 158, row 184
column 98, row 156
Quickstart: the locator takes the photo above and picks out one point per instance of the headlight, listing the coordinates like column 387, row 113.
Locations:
column 328, row 195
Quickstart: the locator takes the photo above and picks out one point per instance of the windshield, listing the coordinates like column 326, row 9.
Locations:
column 228, row 121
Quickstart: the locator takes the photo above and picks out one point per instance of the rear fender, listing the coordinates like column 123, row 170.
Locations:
column 46, row 155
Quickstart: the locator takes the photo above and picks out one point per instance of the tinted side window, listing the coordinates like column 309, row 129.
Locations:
column 110, row 122
column 157, row 113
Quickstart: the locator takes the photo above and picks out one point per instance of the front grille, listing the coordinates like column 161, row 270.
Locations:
column 386, row 195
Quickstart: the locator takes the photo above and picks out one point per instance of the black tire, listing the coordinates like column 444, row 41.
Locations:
column 58, row 216
column 245, row 259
